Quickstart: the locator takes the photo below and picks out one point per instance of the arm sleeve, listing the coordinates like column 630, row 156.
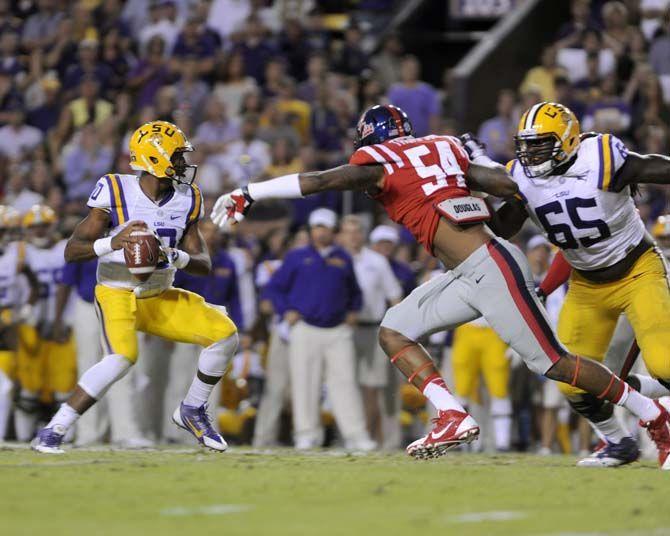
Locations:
column 101, row 195
column 279, row 285
column 558, row 273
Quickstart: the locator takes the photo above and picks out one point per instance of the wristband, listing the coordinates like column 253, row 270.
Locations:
column 181, row 259
column 103, row 246
column 285, row 187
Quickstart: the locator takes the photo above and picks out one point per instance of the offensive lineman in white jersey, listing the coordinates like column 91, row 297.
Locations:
column 577, row 189
column 164, row 199
column 12, row 265
column 46, row 361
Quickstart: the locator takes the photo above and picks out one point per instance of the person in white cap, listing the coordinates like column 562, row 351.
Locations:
column 384, row 239
column 316, row 292
column 380, row 289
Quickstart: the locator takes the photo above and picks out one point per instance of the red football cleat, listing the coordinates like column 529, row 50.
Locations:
column 659, row 432
column 452, row 428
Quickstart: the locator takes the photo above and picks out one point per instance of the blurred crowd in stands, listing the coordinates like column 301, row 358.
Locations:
column 265, row 88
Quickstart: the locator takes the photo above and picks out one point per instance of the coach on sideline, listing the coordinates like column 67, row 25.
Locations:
column 316, row 292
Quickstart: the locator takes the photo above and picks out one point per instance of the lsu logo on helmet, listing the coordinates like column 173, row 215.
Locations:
column 548, row 136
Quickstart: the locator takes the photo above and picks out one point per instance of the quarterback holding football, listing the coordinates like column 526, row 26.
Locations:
column 143, row 229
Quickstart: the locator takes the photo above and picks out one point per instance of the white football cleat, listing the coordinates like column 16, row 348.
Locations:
column 452, row 428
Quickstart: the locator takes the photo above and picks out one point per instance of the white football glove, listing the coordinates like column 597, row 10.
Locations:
column 232, row 207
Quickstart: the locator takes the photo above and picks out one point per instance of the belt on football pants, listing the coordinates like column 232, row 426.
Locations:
column 621, row 268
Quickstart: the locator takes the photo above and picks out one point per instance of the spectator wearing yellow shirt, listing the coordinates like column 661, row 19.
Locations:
column 299, row 111
column 542, row 76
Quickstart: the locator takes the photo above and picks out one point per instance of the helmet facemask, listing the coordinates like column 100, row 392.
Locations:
column 539, row 154
column 180, row 170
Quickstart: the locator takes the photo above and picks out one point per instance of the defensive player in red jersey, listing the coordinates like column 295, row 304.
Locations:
column 424, row 184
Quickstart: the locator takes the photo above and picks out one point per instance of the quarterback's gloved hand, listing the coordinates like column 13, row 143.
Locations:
column 232, row 207
column 472, row 145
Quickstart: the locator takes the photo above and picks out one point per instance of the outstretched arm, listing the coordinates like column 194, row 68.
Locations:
column 235, row 205
column 639, row 168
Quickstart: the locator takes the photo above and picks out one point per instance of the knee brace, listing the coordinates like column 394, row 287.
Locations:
column 591, row 407
column 214, row 358
column 101, row 376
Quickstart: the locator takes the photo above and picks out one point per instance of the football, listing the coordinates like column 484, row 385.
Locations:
column 142, row 257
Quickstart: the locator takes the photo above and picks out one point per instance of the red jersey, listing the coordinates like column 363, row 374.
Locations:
column 419, row 173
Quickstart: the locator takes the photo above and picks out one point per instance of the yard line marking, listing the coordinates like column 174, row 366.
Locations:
column 212, row 510
column 478, row 517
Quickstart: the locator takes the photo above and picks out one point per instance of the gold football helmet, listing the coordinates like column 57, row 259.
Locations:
column 39, row 224
column 158, row 148
column 10, row 224
column 548, row 136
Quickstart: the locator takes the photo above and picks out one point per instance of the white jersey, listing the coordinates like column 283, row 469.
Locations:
column 47, row 264
column 122, row 197
column 579, row 212
column 11, row 262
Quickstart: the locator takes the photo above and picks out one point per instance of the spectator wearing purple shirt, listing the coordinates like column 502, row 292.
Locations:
column 498, row 132
column 87, row 66
column 255, row 49
column 352, row 59
column 85, row 162
column 196, row 41
column 45, row 116
column 419, row 99
column 150, row 74
column 294, row 46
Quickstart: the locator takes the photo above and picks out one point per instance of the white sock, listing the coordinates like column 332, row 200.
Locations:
column 612, row 429
column 66, row 416
column 439, row 396
column 198, row 393
column 651, row 387
column 213, row 361
column 501, row 415
column 639, row 405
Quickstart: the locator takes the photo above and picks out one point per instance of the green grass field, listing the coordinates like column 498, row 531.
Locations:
column 191, row 491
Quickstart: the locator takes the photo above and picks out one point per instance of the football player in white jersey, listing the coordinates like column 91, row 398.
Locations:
column 163, row 199
column 577, row 189
column 12, row 264
column 46, row 368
